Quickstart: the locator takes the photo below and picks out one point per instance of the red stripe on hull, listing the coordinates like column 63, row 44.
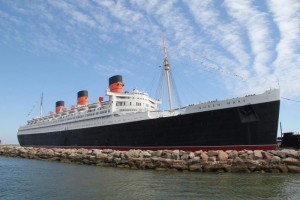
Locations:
column 184, row 148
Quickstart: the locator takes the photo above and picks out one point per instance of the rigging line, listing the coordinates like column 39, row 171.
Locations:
column 210, row 64
column 174, row 87
column 32, row 108
column 159, row 90
column 290, row 99
column 191, row 89
column 160, row 85
column 152, row 83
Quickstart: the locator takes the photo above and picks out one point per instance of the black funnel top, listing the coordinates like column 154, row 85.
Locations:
column 82, row 93
column 115, row 79
column 60, row 103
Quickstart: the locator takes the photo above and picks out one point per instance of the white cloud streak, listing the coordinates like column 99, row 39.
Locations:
column 258, row 30
column 224, row 33
column 287, row 18
column 109, row 70
column 235, row 37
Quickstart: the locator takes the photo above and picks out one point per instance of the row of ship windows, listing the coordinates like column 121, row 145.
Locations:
column 80, row 116
column 233, row 102
column 128, row 110
column 87, row 115
column 208, row 106
column 97, row 118
column 131, row 98
column 95, row 122
column 100, row 108
column 121, row 103
column 97, row 113
column 228, row 103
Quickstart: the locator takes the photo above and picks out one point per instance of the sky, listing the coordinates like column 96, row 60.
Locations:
column 217, row 50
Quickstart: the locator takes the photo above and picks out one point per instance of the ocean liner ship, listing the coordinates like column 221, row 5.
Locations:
column 132, row 120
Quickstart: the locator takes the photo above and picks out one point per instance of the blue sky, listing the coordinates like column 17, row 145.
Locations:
column 217, row 49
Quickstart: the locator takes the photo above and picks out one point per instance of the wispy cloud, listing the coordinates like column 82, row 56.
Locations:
column 223, row 33
column 257, row 25
column 72, row 12
column 248, row 44
column 286, row 15
column 109, row 70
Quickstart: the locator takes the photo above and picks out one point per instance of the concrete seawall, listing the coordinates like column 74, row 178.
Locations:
column 275, row 161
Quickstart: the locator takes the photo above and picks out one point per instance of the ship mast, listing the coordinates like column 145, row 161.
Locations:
column 167, row 68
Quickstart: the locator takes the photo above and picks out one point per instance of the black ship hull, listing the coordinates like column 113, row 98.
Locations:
column 245, row 127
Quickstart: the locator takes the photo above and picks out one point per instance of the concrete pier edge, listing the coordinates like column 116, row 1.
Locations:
column 272, row 161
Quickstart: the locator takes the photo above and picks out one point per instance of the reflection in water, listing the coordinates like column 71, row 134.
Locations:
column 31, row 179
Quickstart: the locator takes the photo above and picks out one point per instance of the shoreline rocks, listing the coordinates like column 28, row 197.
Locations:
column 274, row 161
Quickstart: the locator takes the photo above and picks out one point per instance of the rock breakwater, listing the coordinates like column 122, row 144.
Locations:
column 275, row 161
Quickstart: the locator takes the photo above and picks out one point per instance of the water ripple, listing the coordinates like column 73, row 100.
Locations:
column 31, row 179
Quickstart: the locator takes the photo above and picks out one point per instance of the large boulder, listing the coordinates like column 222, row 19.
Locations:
column 158, row 153
column 275, row 160
column 101, row 157
column 191, row 155
column 243, row 156
column 219, row 166
column 147, row 164
column 162, row 163
column 45, row 153
column 194, row 160
column 145, row 154
column 283, row 168
column 290, row 153
column 267, row 155
column 278, row 153
column 293, row 168
column 179, row 165
column 72, row 156
column 184, row 156
column 82, row 151
column 198, row 153
column 233, row 154
column 166, row 154
column 212, row 153
column 196, row 167
column 175, row 155
column 212, row 159
column 133, row 153
column 257, row 154
column 204, row 156
column 116, row 154
column 107, row 151
column 23, row 152
column 238, row 161
column 253, row 165
column 291, row 161
column 222, row 156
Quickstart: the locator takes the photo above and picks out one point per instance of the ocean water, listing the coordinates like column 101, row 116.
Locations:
column 34, row 179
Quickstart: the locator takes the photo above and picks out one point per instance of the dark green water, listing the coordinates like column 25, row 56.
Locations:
column 33, row 179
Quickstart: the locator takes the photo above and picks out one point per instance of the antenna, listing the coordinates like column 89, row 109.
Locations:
column 41, row 106
column 280, row 129
column 167, row 68
column 278, row 82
